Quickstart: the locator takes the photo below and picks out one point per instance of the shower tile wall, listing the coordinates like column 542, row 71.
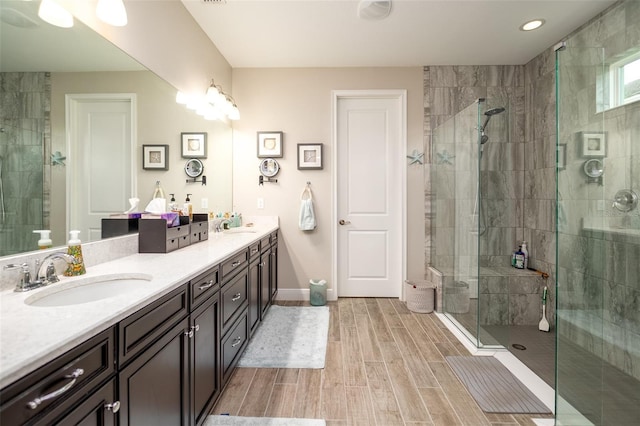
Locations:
column 447, row 91
column 598, row 271
column 24, row 117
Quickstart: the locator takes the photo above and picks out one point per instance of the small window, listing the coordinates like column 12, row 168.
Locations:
column 625, row 80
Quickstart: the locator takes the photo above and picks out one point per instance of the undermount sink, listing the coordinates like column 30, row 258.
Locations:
column 85, row 290
column 240, row 230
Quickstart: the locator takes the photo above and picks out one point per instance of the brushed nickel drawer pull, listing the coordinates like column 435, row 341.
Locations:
column 234, row 264
column 254, row 251
column 262, row 264
column 189, row 333
column 56, row 393
column 236, row 297
column 195, row 328
column 238, row 340
column 206, row 286
column 115, row 407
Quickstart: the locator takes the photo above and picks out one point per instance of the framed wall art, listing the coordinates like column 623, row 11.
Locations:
column 155, row 157
column 593, row 144
column 194, row 145
column 269, row 144
column 309, row 156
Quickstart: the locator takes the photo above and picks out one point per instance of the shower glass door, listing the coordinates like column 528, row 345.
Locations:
column 598, row 242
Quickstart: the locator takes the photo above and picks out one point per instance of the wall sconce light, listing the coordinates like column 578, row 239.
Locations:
column 54, row 14
column 213, row 105
column 112, row 12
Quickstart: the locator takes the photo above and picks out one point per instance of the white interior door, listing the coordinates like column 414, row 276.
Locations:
column 370, row 151
column 101, row 160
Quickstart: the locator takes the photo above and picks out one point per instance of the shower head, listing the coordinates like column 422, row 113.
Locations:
column 489, row 113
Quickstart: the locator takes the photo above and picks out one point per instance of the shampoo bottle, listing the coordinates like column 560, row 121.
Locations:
column 188, row 208
column 526, row 254
column 75, row 250
column 45, row 238
column 519, row 261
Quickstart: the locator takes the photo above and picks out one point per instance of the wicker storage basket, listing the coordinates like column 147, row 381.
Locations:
column 420, row 296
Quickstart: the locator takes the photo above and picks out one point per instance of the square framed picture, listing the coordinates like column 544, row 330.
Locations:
column 309, row 156
column 155, row 157
column 194, row 145
column 594, row 144
column 269, row 144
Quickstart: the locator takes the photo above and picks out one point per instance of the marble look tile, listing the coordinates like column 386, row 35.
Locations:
column 442, row 76
column 493, row 309
column 471, row 75
column 524, row 309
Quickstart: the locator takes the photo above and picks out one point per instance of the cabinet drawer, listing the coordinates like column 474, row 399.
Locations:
column 184, row 241
column 234, row 298
column 178, row 231
column 237, row 261
column 232, row 346
column 254, row 250
column 199, row 231
column 274, row 237
column 265, row 243
column 203, row 286
column 74, row 373
column 140, row 329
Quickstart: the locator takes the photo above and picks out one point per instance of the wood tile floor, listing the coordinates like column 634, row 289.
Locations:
column 385, row 366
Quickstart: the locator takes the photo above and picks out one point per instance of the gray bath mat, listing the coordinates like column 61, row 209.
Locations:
column 493, row 386
column 289, row 337
column 260, row 421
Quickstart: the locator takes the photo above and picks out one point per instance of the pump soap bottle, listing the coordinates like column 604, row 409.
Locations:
column 45, row 238
column 75, row 250
column 188, row 208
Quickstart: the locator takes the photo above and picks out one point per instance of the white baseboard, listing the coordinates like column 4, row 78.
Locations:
column 301, row 294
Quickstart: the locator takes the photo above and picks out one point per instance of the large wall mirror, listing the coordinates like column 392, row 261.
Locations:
column 49, row 176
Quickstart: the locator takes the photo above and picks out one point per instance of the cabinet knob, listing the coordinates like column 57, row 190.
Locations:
column 195, row 328
column 114, row 408
column 189, row 333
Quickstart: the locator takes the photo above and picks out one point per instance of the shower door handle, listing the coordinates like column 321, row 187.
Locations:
column 344, row 222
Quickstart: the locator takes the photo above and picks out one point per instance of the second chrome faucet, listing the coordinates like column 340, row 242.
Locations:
column 45, row 272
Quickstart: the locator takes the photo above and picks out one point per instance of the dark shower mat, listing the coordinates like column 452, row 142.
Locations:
column 493, row 386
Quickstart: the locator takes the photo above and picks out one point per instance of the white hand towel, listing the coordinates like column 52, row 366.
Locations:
column 307, row 215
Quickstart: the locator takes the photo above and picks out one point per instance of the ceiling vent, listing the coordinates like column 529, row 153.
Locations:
column 374, row 10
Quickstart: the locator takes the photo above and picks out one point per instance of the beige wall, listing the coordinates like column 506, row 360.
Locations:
column 162, row 35
column 298, row 102
column 160, row 120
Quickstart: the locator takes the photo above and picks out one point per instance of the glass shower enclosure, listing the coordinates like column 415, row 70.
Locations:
column 598, row 236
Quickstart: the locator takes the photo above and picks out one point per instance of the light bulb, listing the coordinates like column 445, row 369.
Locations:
column 53, row 13
column 112, row 12
column 234, row 114
column 181, row 98
column 212, row 93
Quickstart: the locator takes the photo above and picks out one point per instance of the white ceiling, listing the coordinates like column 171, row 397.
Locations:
column 328, row 33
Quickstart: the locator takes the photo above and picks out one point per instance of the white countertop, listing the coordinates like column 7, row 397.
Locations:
column 31, row 336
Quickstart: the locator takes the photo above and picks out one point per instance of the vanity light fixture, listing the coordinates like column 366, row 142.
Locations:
column 213, row 105
column 533, row 24
column 112, row 12
column 50, row 11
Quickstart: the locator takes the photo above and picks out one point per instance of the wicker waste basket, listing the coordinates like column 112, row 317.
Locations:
column 420, row 296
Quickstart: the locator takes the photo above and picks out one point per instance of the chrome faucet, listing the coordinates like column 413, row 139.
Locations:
column 218, row 224
column 46, row 273
column 25, row 283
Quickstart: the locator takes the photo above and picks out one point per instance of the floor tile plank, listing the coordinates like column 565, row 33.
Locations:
column 308, row 396
column 235, row 391
column 257, row 397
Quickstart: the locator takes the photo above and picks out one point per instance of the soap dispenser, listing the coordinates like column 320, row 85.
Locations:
column 45, row 238
column 173, row 205
column 188, row 208
column 75, row 250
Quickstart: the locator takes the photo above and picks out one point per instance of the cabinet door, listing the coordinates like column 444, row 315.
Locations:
column 273, row 271
column 265, row 275
column 205, row 359
column 254, row 295
column 99, row 409
column 154, row 386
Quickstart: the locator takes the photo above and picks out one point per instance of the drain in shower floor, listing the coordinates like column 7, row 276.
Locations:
column 519, row 347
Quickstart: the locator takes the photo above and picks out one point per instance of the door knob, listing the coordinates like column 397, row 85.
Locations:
column 344, row 222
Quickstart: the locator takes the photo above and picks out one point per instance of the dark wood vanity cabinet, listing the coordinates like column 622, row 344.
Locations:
column 273, row 266
column 166, row 364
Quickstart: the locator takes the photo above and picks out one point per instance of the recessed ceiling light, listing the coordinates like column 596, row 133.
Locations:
column 532, row 25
